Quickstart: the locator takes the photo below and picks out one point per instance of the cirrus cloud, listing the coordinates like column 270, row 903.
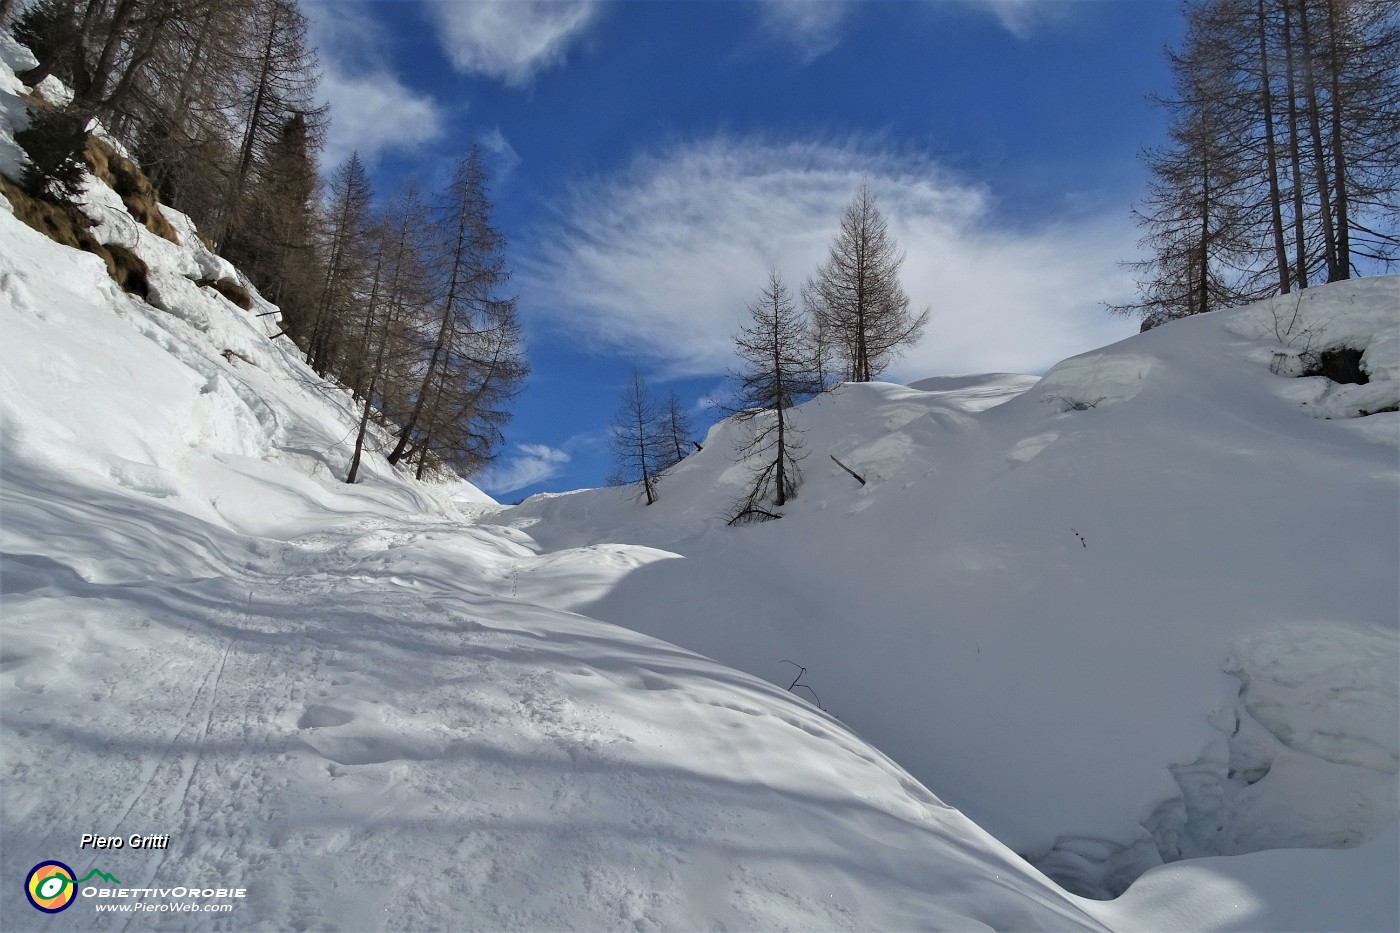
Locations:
column 660, row 260
column 372, row 110
column 526, row 465
column 1020, row 17
column 813, row 27
column 512, row 40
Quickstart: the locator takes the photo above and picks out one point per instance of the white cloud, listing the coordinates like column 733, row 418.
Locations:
column 533, row 463
column 1020, row 17
column 510, row 39
column 661, row 260
column 372, row 111
column 813, row 26
column 504, row 158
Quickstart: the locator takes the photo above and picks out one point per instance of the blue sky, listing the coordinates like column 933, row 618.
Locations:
column 653, row 159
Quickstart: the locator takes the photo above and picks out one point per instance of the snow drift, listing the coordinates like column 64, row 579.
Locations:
column 1144, row 610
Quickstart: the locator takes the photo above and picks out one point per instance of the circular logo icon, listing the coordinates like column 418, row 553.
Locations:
column 50, row 887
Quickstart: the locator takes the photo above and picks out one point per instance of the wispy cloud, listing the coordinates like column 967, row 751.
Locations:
column 661, row 260
column 372, row 111
column 512, row 40
column 1021, row 18
column 813, row 27
column 526, row 465
column 504, row 158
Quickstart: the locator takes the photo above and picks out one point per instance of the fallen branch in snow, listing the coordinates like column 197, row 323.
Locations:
column 1284, row 332
column 754, row 513
column 1074, row 404
column 1080, row 537
column 859, row 478
column 792, row 687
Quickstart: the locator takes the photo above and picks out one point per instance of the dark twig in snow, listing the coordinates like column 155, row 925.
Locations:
column 1074, row 404
column 793, row 687
column 860, row 479
column 754, row 514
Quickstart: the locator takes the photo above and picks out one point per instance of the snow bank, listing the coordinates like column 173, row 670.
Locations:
column 1288, row 889
column 13, row 58
column 1297, row 329
column 1145, row 609
column 976, row 392
column 216, row 392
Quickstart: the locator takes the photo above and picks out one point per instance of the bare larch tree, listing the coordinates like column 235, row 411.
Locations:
column 777, row 371
column 638, row 440
column 856, row 297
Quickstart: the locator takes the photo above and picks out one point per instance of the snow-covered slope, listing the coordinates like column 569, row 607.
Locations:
column 1146, row 609
column 337, row 699
column 378, row 707
column 365, row 728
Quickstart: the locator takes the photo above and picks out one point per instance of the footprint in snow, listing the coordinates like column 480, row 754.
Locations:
column 324, row 717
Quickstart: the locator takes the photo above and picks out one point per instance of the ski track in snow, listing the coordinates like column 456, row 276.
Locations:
column 376, row 768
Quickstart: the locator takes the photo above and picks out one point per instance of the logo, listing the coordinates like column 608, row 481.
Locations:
column 51, row 886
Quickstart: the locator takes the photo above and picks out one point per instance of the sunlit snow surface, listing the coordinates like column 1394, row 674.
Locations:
column 1164, row 621
column 1145, row 609
column 337, row 699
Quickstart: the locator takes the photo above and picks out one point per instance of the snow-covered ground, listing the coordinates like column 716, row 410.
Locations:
column 1145, row 609
column 1162, row 626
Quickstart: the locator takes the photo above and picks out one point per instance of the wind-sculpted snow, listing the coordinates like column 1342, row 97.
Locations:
column 1073, row 613
column 1276, row 890
column 365, row 730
